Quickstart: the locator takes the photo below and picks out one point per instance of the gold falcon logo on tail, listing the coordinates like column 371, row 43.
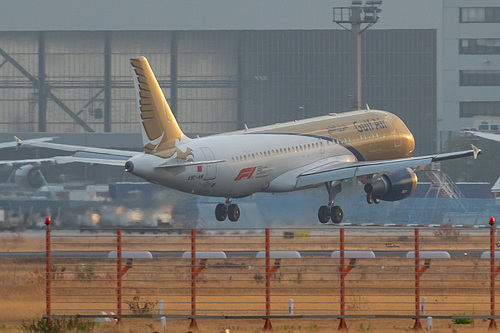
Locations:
column 161, row 133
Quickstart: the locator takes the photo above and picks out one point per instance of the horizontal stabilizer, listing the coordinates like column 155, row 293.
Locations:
column 65, row 160
column 42, row 143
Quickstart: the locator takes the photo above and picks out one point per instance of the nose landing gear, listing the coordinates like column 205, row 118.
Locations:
column 227, row 210
column 335, row 213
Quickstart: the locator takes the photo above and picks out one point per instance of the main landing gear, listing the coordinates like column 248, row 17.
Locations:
column 370, row 199
column 227, row 210
column 335, row 213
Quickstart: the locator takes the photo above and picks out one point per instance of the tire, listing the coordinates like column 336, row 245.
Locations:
column 234, row 212
column 324, row 214
column 221, row 212
column 337, row 214
column 369, row 198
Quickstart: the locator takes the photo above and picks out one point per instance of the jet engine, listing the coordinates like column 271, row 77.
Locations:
column 392, row 186
column 29, row 176
column 6, row 167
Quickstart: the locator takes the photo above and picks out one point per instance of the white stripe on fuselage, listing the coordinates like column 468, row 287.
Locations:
column 252, row 162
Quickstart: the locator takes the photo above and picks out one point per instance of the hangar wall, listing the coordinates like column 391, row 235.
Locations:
column 216, row 81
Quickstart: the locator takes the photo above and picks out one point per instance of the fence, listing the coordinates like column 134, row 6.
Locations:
column 328, row 272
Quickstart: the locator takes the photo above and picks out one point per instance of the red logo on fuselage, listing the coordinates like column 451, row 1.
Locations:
column 245, row 173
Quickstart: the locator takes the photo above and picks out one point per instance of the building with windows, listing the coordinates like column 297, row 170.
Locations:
column 470, row 88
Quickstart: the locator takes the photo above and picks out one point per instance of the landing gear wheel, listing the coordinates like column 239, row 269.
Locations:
column 376, row 201
column 337, row 214
column 233, row 212
column 324, row 214
column 369, row 198
column 221, row 212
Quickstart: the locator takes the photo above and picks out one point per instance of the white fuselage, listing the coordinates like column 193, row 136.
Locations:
column 251, row 163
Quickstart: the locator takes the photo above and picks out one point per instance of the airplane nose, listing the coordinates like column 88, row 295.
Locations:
column 129, row 166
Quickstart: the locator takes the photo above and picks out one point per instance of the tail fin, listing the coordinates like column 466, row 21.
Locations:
column 160, row 131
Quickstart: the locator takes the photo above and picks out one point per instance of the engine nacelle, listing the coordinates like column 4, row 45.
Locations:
column 393, row 186
column 29, row 176
column 6, row 167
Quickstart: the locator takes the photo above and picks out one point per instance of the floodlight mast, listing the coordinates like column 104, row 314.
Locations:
column 356, row 15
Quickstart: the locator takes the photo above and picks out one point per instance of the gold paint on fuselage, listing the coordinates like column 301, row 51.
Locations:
column 375, row 134
column 187, row 156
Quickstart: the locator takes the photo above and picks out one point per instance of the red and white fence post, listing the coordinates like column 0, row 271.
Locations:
column 493, row 274
column 119, row 275
column 418, row 273
column 48, row 271
column 194, row 274
column 343, row 273
column 267, row 324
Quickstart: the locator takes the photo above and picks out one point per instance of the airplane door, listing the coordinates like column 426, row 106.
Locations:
column 397, row 138
column 211, row 169
column 397, row 135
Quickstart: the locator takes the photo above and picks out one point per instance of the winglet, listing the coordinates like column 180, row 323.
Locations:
column 477, row 151
column 19, row 142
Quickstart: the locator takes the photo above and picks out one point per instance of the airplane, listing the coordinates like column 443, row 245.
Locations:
column 373, row 146
column 485, row 135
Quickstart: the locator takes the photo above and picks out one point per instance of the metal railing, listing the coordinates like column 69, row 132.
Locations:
column 328, row 272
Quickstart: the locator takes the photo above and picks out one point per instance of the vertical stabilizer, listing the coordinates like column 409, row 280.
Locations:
column 160, row 131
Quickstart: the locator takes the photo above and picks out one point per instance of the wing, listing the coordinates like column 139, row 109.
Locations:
column 489, row 136
column 65, row 160
column 78, row 151
column 344, row 170
column 18, row 141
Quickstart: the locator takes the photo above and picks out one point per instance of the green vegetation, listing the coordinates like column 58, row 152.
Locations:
column 462, row 321
column 56, row 325
column 362, row 328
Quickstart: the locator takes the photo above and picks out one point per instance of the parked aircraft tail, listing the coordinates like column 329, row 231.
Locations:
column 160, row 131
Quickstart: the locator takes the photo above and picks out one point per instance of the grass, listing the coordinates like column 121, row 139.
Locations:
column 58, row 325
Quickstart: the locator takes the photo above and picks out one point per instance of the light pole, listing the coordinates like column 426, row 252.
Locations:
column 356, row 15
